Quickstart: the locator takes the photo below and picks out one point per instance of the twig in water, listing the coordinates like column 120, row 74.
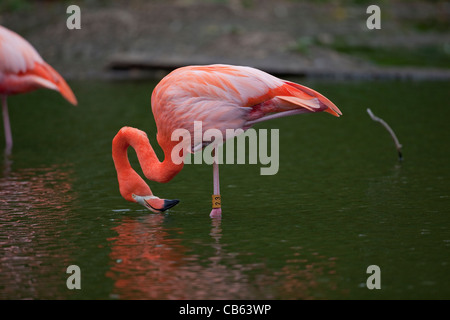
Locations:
column 388, row 128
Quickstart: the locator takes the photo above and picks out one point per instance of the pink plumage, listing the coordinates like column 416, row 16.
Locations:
column 22, row 69
column 221, row 97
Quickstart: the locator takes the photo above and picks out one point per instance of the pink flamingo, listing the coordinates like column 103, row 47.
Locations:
column 22, row 70
column 221, row 97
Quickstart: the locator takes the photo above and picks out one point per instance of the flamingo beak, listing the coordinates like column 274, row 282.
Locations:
column 155, row 204
column 170, row 203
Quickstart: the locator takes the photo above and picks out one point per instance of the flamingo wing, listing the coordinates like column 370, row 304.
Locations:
column 22, row 69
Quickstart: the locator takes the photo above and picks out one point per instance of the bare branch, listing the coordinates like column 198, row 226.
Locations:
column 389, row 129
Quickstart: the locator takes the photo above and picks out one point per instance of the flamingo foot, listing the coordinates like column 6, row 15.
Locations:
column 216, row 213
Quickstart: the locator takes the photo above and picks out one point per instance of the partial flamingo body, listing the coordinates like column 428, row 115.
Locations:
column 221, row 97
column 22, row 69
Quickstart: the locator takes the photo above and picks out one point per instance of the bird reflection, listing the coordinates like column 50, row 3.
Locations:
column 151, row 261
column 34, row 188
column 145, row 259
column 33, row 202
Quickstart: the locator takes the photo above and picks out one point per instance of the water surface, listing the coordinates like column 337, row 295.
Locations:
column 340, row 202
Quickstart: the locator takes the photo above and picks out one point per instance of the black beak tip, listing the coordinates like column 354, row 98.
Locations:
column 170, row 203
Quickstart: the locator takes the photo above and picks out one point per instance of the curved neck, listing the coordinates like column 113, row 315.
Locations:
column 129, row 181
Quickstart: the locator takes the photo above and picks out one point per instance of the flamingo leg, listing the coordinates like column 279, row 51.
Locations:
column 216, row 212
column 7, row 126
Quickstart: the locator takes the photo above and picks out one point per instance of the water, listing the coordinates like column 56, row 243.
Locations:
column 340, row 202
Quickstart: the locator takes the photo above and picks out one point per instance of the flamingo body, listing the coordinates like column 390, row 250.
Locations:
column 221, row 97
column 226, row 97
column 22, row 69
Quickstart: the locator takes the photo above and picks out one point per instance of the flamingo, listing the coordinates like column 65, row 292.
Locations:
column 22, row 69
column 221, row 97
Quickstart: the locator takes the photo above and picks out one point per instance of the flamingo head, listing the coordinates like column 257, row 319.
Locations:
column 154, row 203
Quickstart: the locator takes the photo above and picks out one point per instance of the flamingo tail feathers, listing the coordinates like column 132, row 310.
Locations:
column 46, row 72
column 308, row 98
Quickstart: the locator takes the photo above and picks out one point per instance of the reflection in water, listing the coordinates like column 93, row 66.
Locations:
column 145, row 259
column 388, row 188
column 150, row 262
column 33, row 205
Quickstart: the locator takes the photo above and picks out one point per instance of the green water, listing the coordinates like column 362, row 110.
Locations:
column 340, row 202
